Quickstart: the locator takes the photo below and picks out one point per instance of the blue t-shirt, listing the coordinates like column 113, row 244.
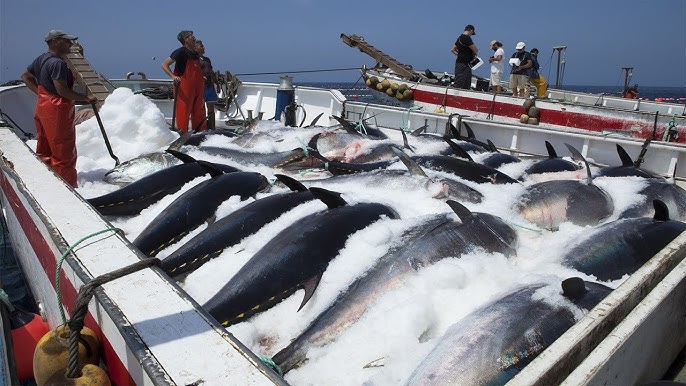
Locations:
column 181, row 56
column 48, row 67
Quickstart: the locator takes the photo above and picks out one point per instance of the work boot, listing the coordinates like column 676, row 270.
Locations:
column 210, row 122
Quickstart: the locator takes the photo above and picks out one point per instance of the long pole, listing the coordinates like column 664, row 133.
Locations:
column 104, row 135
column 627, row 76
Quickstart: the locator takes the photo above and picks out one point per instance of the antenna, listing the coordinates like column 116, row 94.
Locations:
column 559, row 50
column 628, row 73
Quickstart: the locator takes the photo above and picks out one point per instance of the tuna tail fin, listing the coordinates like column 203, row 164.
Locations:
column 644, row 148
column 551, row 150
column 574, row 288
column 661, row 211
column 459, row 151
column 331, row 199
column 406, row 144
column 412, row 166
column 314, row 121
column 182, row 156
column 584, row 294
column 211, row 168
column 312, row 147
column 576, row 156
column 347, row 126
column 624, row 156
column 176, row 145
column 292, row 183
column 310, row 285
column 460, row 210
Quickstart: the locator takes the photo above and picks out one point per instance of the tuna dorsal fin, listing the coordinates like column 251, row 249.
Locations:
column 331, row 199
column 292, row 183
column 661, row 211
column 624, row 156
column 470, row 132
column 574, row 288
column 314, row 121
column 176, row 145
column 406, row 144
column 418, row 131
column 460, row 210
column 491, row 146
column 576, row 155
column 551, row 150
column 453, row 130
column 182, row 156
column 310, row 285
column 211, row 168
column 412, row 166
column 459, row 151
column 644, row 148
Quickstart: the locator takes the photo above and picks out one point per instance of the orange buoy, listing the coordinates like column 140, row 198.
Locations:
column 27, row 330
column 52, row 353
column 91, row 375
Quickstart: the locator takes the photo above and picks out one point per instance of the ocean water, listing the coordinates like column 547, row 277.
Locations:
column 359, row 91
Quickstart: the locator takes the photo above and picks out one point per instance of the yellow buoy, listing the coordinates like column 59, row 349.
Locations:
column 534, row 112
column 390, row 92
column 402, row 87
column 532, row 121
column 91, row 375
column 394, row 86
column 52, row 353
column 524, row 118
column 408, row 94
column 379, row 86
column 386, row 83
column 368, row 82
column 400, row 96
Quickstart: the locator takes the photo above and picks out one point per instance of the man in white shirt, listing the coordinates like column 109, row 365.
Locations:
column 496, row 65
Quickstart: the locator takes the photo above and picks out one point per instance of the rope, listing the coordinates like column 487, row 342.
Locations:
column 272, row 365
column 524, row 227
column 27, row 135
column 6, row 299
column 406, row 124
column 298, row 72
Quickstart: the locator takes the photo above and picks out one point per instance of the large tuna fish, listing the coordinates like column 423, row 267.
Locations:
column 551, row 164
column 672, row 195
column 194, row 207
column 131, row 199
column 623, row 246
column 428, row 242
column 629, row 167
column 550, row 203
column 231, row 229
column 495, row 342
column 295, row 258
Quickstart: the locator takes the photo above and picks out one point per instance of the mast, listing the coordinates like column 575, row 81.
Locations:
column 628, row 72
column 559, row 50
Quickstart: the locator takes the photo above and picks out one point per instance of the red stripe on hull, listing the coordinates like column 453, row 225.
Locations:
column 118, row 373
column 597, row 123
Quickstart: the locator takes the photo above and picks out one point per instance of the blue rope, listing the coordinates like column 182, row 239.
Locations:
column 406, row 120
column 269, row 362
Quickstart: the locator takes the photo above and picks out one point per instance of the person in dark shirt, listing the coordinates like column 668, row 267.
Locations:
column 536, row 78
column 519, row 74
column 50, row 78
column 466, row 50
column 211, row 83
column 188, row 82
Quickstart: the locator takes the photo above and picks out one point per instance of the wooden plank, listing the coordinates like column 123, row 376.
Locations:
column 85, row 74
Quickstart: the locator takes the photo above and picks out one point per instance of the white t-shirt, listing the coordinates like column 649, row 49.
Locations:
column 497, row 67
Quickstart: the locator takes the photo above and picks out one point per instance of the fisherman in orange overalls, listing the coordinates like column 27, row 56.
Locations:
column 50, row 78
column 189, row 83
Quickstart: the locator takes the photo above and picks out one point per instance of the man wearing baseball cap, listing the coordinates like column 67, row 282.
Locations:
column 496, row 65
column 50, row 78
column 519, row 74
column 466, row 50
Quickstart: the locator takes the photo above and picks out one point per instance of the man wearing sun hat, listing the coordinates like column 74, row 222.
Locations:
column 50, row 78
column 496, row 65
column 466, row 50
column 519, row 74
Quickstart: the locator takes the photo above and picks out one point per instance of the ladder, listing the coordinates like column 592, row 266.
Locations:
column 85, row 74
column 358, row 42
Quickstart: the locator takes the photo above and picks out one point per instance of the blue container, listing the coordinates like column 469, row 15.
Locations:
column 285, row 101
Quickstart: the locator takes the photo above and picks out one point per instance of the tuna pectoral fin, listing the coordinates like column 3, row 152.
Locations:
column 419, row 131
column 176, row 145
column 211, row 168
column 459, row 151
column 292, row 183
column 309, row 287
column 331, row 199
column 314, row 121
column 312, row 147
column 182, row 156
column 576, row 156
column 406, row 144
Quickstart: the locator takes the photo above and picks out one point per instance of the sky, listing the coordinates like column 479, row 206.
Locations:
column 247, row 37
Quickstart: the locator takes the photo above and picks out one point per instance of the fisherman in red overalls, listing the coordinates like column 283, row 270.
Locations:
column 187, row 76
column 50, row 78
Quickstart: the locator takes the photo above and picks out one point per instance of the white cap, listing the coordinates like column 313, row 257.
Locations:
column 520, row 45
